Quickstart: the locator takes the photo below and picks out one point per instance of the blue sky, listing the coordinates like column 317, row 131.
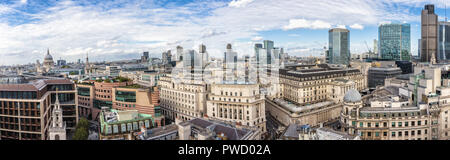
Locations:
column 118, row 29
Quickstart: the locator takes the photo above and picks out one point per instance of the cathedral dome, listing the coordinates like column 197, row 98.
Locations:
column 48, row 56
column 352, row 96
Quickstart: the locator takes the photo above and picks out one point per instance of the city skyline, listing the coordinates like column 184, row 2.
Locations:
column 224, row 70
column 113, row 30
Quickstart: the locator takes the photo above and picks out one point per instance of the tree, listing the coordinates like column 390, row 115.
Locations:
column 82, row 130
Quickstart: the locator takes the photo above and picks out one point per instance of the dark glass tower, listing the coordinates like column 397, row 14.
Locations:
column 339, row 49
column 429, row 34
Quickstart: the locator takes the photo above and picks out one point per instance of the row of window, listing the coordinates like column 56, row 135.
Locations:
column 229, row 99
column 393, row 124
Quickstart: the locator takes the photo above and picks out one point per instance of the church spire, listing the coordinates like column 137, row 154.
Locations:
column 57, row 105
column 57, row 131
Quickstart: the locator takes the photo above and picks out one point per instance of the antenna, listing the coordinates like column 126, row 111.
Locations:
column 445, row 11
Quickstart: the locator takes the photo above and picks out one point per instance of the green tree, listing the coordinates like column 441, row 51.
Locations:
column 82, row 130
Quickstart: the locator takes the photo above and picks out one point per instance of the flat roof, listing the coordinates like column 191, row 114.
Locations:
column 33, row 85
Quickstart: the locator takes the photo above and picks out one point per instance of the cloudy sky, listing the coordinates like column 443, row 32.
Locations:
column 122, row 29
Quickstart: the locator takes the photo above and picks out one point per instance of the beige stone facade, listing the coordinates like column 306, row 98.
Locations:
column 183, row 100
column 308, row 84
column 239, row 103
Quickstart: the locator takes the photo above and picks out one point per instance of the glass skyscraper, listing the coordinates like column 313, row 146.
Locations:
column 339, row 46
column 444, row 41
column 268, row 45
column 257, row 47
column 395, row 41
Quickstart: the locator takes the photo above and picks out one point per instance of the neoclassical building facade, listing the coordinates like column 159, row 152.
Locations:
column 237, row 103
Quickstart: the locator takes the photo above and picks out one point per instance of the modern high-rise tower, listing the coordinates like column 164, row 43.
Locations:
column 429, row 34
column 444, row 41
column 339, row 46
column 395, row 41
column 230, row 64
column 257, row 47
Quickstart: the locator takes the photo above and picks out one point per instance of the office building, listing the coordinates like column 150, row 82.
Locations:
column 61, row 62
column 179, row 54
column 240, row 103
column 166, row 57
column 119, row 95
column 387, row 117
column 312, row 94
column 185, row 100
column 429, row 42
column 405, row 66
column 123, row 125
column 378, row 75
column 257, row 47
column 112, row 71
column 339, row 46
column 230, row 64
column 145, row 57
column 444, row 41
column 26, row 109
column 395, row 41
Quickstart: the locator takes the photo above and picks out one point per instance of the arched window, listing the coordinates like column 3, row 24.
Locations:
column 57, row 137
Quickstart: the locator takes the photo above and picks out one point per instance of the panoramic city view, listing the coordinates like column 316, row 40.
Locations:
column 224, row 70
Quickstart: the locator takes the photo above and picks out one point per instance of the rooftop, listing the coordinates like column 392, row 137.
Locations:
column 307, row 71
column 297, row 109
column 352, row 96
column 116, row 116
column 33, row 85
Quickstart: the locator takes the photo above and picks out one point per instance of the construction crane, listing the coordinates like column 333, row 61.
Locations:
column 324, row 48
column 370, row 50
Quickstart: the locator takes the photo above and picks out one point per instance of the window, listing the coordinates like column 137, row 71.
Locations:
column 419, row 132
column 406, row 133
column 406, row 124
column 369, row 125
column 400, row 133
column 412, row 133
column 384, row 124
column 377, row 134
column 369, row 134
column 393, row 124
column 393, row 134
column 419, row 123
column 377, row 125
column 361, row 124
column 384, row 134
column 399, row 124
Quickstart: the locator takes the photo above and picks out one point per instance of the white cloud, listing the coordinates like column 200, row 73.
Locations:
column 257, row 38
column 23, row 1
column 306, row 24
column 341, row 26
column 4, row 9
column 294, row 35
column 384, row 22
column 357, row 26
column 69, row 29
column 240, row 3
